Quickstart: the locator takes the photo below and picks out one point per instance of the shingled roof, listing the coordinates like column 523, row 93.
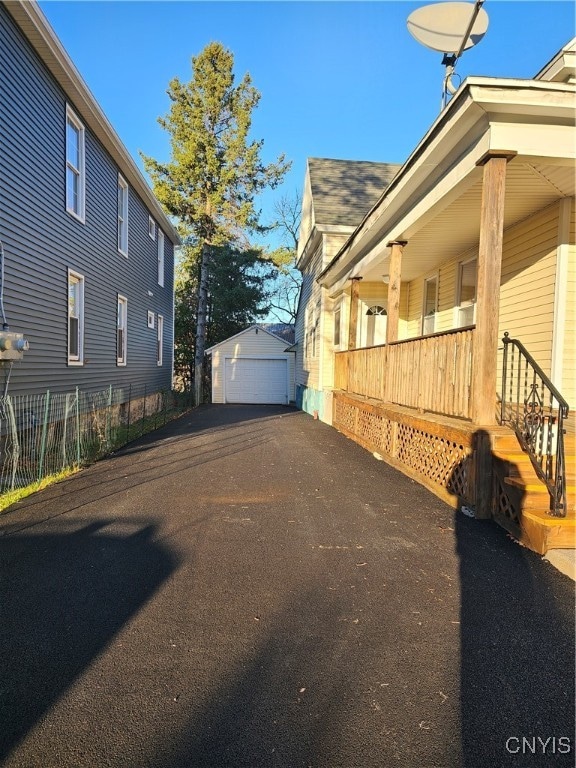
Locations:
column 343, row 191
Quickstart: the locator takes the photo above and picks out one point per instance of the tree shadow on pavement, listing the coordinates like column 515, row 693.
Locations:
column 65, row 595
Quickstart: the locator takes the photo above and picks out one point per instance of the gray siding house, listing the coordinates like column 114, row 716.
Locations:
column 87, row 252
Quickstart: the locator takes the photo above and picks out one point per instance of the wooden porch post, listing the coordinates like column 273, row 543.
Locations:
column 484, row 358
column 393, row 309
column 353, row 323
column 488, row 288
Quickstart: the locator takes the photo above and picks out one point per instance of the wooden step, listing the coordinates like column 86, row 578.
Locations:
column 507, row 441
column 536, row 494
column 541, row 532
column 538, row 529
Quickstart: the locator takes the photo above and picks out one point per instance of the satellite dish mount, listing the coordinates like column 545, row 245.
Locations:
column 450, row 28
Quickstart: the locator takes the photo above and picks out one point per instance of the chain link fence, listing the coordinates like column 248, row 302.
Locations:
column 41, row 435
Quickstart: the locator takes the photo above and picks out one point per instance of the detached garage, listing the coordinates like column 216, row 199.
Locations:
column 254, row 366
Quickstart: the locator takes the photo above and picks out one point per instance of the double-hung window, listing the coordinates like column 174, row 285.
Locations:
column 75, row 166
column 122, row 216
column 337, row 325
column 122, row 330
column 159, row 339
column 466, row 293
column 160, row 258
column 75, row 318
column 430, row 307
column 315, row 328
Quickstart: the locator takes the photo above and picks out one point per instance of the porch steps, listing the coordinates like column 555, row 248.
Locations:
column 538, row 529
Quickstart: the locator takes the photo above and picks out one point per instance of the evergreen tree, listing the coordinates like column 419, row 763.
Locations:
column 237, row 296
column 185, row 305
column 215, row 172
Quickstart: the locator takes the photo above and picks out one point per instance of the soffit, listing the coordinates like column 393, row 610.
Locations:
column 455, row 229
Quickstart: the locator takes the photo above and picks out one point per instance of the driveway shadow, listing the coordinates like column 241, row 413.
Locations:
column 517, row 653
column 517, row 639
column 65, row 595
column 285, row 705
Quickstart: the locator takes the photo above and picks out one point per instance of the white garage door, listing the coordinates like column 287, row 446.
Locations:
column 256, row 380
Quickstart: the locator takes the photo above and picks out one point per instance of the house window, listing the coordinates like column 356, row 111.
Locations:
column 160, row 258
column 75, row 175
column 121, row 330
column 75, row 318
column 312, row 321
column 466, row 293
column 159, row 339
column 150, row 319
column 315, row 323
column 308, row 332
column 430, row 307
column 337, row 325
column 373, row 333
column 151, row 228
column 122, row 216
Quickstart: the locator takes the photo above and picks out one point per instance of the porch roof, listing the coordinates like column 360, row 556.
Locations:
column 434, row 201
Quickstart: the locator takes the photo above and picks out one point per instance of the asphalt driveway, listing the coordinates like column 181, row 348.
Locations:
column 246, row 588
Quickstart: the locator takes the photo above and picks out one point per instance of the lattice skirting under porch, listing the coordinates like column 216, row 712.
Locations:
column 435, row 451
column 459, row 462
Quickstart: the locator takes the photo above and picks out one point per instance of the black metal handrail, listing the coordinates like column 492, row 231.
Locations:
column 536, row 411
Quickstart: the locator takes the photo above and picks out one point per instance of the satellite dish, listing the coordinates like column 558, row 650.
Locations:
column 449, row 28
column 444, row 26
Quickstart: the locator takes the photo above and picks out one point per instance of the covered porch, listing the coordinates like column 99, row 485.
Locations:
column 429, row 400
column 410, row 403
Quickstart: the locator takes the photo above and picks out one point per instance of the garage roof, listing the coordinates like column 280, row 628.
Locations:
column 241, row 333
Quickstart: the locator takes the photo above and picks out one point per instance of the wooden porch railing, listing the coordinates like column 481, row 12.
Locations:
column 431, row 373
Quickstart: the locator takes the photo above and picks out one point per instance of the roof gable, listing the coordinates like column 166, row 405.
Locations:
column 343, row 190
column 242, row 333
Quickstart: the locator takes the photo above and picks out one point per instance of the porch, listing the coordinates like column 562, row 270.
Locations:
column 412, row 404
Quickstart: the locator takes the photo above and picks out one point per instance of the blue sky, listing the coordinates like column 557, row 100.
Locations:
column 337, row 79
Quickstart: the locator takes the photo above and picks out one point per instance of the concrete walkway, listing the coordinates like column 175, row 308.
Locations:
column 246, row 588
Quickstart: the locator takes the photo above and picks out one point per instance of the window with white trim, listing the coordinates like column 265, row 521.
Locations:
column 430, row 305
column 121, row 330
column 160, row 258
column 151, row 228
column 466, row 300
column 315, row 327
column 337, row 325
column 150, row 320
column 159, row 339
column 75, row 318
column 75, row 165
column 122, row 216
column 374, row 329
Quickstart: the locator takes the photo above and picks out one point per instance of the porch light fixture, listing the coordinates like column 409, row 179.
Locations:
column 386, row 279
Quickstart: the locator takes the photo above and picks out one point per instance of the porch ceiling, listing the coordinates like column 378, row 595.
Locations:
column 454, row 230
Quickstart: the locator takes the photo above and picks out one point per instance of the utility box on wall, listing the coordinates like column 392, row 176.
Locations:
column 12, row 345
